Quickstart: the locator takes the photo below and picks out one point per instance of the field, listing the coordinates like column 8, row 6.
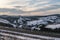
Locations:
column 32, row 32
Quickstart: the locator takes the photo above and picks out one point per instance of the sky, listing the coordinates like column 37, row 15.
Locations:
column 29, row 7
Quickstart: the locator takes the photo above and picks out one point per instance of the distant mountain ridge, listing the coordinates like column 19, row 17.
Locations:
column 31, row 21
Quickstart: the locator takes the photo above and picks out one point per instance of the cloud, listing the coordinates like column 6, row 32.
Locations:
column 14, row 11
column 51, row 7
column 17, row 6
column 28, row 6
column 31, row 4
column 4, row 2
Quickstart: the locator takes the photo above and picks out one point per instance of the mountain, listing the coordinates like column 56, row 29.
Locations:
column 31, row 22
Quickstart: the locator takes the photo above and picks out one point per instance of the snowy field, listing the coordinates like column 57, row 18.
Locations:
column 27, row 38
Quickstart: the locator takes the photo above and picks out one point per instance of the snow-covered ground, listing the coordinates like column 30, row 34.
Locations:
column 18, row 37
column 4, row 21
column 42, row 20
column 31, row 35
column 53, row 26
column 36, row 22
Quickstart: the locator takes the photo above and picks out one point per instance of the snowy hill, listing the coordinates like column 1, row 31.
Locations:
column 34, row 22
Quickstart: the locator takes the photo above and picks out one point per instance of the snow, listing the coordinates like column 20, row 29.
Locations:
column 13, row 25
column 7, row 22
column 35, row 28
column 20, row 37
column 48, row 17
column 36, row 22
column 42, row 20
column 4, row 21
column 39, row 36
column 53, row 26
column 57, row 20
column 15, row 21
column 20, row 26
column 20, row 20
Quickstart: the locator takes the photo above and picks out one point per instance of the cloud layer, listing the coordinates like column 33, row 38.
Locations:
column 29, row 6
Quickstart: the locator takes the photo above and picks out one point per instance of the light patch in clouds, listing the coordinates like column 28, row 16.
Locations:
column 4, row 2
column 28, row 9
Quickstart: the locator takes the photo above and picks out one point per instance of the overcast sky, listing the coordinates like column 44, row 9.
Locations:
column 29, row 7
